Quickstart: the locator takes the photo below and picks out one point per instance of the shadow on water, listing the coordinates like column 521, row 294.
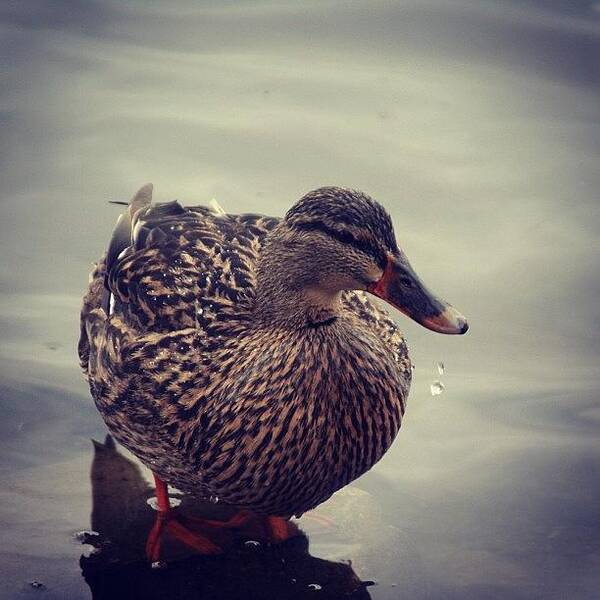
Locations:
column 121, row 519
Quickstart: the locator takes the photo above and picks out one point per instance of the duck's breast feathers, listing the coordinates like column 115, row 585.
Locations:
column 183, row 265
column 363, row 307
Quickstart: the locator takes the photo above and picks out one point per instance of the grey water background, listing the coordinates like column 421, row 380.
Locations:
column 476, row 123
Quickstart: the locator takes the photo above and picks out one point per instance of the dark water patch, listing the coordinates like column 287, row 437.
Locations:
column 118, row 568
column 74, row 16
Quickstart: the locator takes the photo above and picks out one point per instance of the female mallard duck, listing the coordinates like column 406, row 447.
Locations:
column 239, row 357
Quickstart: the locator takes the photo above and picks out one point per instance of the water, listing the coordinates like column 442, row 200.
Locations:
column 475, row 123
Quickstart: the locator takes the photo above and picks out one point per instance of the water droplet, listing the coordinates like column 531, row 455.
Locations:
column 440, row 367
column 437, row 387
column 83, row 535
column 38, row 585
column 314, row 586
column 252, row 544
column 159, row 564
column 213, row 499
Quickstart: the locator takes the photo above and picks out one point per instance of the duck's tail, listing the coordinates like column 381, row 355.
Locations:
column 122, row 236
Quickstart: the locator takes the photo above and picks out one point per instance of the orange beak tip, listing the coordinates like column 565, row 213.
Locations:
column 449, row 322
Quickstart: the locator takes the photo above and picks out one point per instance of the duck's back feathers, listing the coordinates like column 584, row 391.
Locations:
column 182, row 264
column 168, row 269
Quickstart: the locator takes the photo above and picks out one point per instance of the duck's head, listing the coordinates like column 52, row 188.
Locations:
column 339, row 239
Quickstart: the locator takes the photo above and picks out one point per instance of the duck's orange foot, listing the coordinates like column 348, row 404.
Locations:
column 269, row 528
column 239, row 519
column 194, row 532
column 280, row 529
column 167, row 521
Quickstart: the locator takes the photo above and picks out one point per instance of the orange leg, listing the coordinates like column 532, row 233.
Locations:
column 273, row 529
column 280, row 529
column 165, row 519
column 239, row 519
column 193, row 531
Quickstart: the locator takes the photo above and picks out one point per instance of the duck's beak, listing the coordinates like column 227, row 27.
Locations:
column 401, row 287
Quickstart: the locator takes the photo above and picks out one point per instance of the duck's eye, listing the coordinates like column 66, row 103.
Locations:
column 406, row 282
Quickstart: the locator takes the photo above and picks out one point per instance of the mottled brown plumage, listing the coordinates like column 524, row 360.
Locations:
column 238, row 356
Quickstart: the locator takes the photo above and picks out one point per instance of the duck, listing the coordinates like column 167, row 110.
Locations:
column 251, row 359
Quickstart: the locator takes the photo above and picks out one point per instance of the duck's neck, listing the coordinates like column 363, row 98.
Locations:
column 280, row 305
column 288, row 291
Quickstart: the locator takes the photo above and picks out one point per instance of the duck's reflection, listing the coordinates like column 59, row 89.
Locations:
column 247, row 570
